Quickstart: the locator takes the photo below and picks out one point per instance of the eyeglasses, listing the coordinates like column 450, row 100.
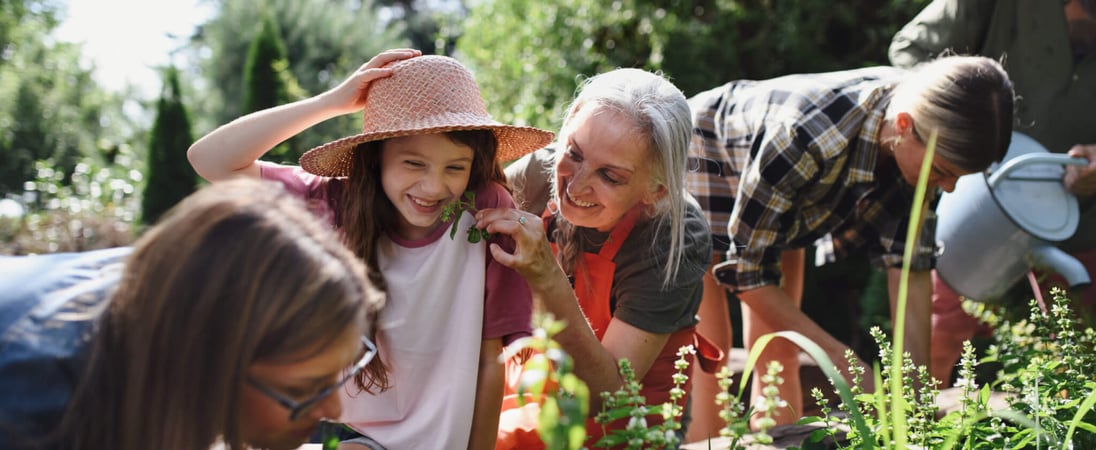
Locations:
column 369, row 350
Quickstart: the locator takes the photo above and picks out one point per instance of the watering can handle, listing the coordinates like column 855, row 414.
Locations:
column 1031, row 159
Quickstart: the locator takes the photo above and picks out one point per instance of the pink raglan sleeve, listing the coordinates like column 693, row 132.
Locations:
column 508, row 305
column 311, row 188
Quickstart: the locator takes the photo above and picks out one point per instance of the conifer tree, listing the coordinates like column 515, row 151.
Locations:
column 267, row 81
column 170, row 176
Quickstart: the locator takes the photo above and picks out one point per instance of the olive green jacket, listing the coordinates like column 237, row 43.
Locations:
column 1056, row 102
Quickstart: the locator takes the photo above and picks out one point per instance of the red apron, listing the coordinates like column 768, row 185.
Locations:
column 517, row 424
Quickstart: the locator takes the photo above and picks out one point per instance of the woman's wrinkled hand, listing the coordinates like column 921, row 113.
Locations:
column 1081, row 180
column 532, row 256
column 349, row 96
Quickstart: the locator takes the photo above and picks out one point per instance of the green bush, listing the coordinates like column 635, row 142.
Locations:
column 528, row 54
column 269, row 83
column 170, row 176
column 97, row 209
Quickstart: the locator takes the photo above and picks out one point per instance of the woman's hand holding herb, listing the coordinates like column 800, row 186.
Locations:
column 452, row 212
column 532, row 256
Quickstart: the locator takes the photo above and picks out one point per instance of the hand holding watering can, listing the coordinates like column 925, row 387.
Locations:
column 1081, row 179
column 995, row 228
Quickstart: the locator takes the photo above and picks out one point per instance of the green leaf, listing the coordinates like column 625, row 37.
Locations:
column 549, row 418
column 555, row 326
column 619, row 413
column 899, row 406
column 807, row 420
column 824, row 364
column 534, row 376
column 1079, row 417
column 611, row 440
column 818, row 435
column 447, row 212
column 576, row 435
column 453, row 230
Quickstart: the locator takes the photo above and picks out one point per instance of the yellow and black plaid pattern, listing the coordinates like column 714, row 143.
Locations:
column 783, row 163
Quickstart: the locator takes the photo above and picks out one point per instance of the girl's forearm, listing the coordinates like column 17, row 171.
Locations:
column 489, row 390
column 233, row 148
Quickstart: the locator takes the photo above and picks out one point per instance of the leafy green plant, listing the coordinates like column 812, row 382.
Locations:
column 628, row 403
column 1047, row 360
column 548, row 379
column 855, row 416
column 527, row 53
column 1047, row 364
column 770, row 402
column 732, row 411
column 98, row 208
column 452, row 211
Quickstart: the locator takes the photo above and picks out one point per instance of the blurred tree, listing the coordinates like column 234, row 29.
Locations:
column 429, row 25
column 530, row 54
column 268, row 82
column 13, row 17
column 67, row 145
column 27, row 140
column 325, row 40
column 170, row 176
column 56, row 111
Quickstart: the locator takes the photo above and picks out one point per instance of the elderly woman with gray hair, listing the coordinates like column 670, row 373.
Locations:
column 621, row 248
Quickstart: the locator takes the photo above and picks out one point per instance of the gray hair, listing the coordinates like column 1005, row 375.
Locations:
column 659, row 112
column 967, row 101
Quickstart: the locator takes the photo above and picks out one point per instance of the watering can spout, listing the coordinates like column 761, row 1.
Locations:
column 1061, row 263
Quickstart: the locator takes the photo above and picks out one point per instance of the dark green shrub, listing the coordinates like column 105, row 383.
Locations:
column 170, row 176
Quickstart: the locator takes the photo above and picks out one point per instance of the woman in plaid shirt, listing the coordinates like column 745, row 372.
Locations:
column 831, row 159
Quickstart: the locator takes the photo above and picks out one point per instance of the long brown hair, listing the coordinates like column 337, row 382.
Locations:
column 236, row 273
column 363, row 212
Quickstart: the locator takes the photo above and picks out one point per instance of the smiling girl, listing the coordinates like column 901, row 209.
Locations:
column 426, row 141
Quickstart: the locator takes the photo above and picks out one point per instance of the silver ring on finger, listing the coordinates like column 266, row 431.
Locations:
column 521, row 220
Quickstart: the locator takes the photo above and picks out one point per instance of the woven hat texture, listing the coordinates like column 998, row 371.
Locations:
column 424, row 95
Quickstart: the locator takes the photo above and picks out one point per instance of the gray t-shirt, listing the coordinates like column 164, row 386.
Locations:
column 638, row 297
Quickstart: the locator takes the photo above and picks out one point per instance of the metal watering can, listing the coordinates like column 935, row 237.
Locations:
column 993, row 229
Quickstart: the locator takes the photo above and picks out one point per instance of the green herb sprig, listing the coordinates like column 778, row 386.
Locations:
column 452, row 211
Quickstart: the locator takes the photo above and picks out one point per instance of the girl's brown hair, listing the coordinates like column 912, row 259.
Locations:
column 238, row 272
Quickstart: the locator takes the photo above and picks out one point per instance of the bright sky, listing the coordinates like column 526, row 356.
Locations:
column 127, row 39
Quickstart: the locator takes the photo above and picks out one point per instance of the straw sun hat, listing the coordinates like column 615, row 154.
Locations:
column 425, row 95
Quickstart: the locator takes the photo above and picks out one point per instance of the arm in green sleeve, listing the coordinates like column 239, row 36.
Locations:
column 959, row 25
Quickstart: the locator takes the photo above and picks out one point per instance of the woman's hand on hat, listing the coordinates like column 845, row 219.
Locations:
column 532, row 254
column 349, row 96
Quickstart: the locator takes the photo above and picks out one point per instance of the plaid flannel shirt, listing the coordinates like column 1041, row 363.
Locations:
column 788, row 162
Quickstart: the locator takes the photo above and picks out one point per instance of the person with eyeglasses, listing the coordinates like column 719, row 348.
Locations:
column 230, row 324
column 1049, row 51
column 831, row 160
